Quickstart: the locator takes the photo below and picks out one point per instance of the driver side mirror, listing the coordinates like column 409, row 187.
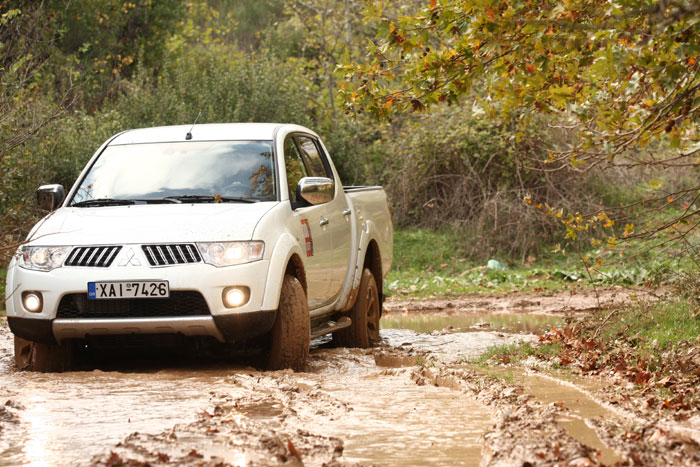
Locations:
column 316, row 190
column 49, row 197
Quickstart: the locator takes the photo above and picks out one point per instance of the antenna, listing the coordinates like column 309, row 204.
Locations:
column 189, row 133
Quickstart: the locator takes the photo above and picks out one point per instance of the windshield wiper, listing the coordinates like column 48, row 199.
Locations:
column 210, row 199
column 103, row 202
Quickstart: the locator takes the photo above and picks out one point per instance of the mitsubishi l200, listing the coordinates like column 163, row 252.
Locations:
column 240, row 233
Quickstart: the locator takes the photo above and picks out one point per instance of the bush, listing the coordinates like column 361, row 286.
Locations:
column 458, row 168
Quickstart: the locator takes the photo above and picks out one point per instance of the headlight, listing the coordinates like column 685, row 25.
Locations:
column 41, row 258
column 230, row 253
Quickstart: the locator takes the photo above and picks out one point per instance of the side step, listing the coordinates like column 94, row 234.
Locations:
column 330, row 326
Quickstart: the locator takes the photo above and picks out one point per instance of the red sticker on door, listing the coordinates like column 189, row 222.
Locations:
column 307, row 237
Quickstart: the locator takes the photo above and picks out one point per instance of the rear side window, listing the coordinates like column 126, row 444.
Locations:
column 312, row 157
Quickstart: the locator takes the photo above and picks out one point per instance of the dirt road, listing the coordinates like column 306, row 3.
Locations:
column 414, row 400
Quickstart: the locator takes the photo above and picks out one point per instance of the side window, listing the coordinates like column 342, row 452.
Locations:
column 311, row 157
column 295, row 167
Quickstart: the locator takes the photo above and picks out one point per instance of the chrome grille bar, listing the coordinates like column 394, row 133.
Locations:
column 171, row 254
column 92, row 256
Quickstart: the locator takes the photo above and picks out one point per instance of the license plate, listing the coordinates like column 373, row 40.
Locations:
column 129, row 289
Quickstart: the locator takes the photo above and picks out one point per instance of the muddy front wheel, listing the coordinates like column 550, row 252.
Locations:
column 364, row 330
column 44, row 358
column 290, row 335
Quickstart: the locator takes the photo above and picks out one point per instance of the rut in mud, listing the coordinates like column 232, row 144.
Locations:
column 414, row 400
column 350, row 406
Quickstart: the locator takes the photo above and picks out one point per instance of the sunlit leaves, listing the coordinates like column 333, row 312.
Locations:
column 627, row 71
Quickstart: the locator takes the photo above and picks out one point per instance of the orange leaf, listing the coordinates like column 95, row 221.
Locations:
column 530, row 67
column 293, row 451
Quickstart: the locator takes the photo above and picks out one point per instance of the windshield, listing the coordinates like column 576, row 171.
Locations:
column 213, row 170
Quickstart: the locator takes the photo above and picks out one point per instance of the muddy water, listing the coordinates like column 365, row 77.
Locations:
column 581, row 406
column 365, row 398
column 519, row 323
column 395, row 422
column 572, row 394
column 66, row 417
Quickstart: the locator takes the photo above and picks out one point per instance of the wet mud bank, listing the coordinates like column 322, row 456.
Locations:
column 417, row 399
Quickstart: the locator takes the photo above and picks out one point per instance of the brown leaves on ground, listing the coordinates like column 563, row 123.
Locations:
column 669, row 382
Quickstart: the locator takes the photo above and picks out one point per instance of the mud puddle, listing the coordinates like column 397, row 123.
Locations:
column 403, row 424
column 64, row 416
column 369, row 400
column 578, row 405
column 513, row 323
column 364, row 398
column 352, row 406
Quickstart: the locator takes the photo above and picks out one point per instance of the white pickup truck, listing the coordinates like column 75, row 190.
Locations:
column 238, row 233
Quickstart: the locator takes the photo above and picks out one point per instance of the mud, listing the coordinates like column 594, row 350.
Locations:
column 416, row 399
column 576, row 301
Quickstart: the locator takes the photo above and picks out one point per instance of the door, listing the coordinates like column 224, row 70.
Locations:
column 315, row 238
column 337, row 214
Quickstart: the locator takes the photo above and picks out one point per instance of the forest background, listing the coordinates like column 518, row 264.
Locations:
column 472, row 169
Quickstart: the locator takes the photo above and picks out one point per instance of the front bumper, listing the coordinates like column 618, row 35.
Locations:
column 222, row 323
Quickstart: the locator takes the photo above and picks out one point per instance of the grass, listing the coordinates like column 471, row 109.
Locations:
column 432, row 264
column 513, row 353
column 652, row 329
column 648, row 329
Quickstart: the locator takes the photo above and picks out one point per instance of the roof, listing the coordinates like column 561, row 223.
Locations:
column 202, row 132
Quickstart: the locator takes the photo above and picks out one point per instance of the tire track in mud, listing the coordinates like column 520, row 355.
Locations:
column 345, row 410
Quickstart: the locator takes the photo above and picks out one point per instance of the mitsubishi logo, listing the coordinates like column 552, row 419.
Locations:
column 129, row 258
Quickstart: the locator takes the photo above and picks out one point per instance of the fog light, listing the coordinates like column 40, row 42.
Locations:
column 233, row 297
column 32, row 301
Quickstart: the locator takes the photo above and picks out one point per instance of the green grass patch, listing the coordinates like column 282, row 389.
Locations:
column 653, row 328
column 513, row 353
column 431, row 263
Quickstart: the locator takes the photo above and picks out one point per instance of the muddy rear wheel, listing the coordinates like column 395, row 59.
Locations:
column 290, row 335
column 364, row 330
column 44, row 358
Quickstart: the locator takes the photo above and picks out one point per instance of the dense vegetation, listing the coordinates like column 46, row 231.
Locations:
column 490, row 177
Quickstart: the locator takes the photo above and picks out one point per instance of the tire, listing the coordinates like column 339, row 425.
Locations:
column 44, row 358
column 364, row 330
column 291, row 333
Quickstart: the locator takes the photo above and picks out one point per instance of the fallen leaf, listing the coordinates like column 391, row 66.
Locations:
column 293, row 451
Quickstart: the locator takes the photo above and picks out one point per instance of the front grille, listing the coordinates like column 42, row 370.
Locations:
column 166, row 255
column 179, row 304
column 95, row 256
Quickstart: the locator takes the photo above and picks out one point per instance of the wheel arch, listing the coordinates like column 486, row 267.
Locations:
column 286, row 259
column 295, row 267
column 373, row 262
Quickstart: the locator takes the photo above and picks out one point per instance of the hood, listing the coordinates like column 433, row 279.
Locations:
column 149, row 223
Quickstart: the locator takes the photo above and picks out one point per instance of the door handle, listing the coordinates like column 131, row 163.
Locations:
column 347, row 212
column 324, row 221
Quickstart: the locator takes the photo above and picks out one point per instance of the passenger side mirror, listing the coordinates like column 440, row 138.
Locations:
column 49, row 197
column 316, row 190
